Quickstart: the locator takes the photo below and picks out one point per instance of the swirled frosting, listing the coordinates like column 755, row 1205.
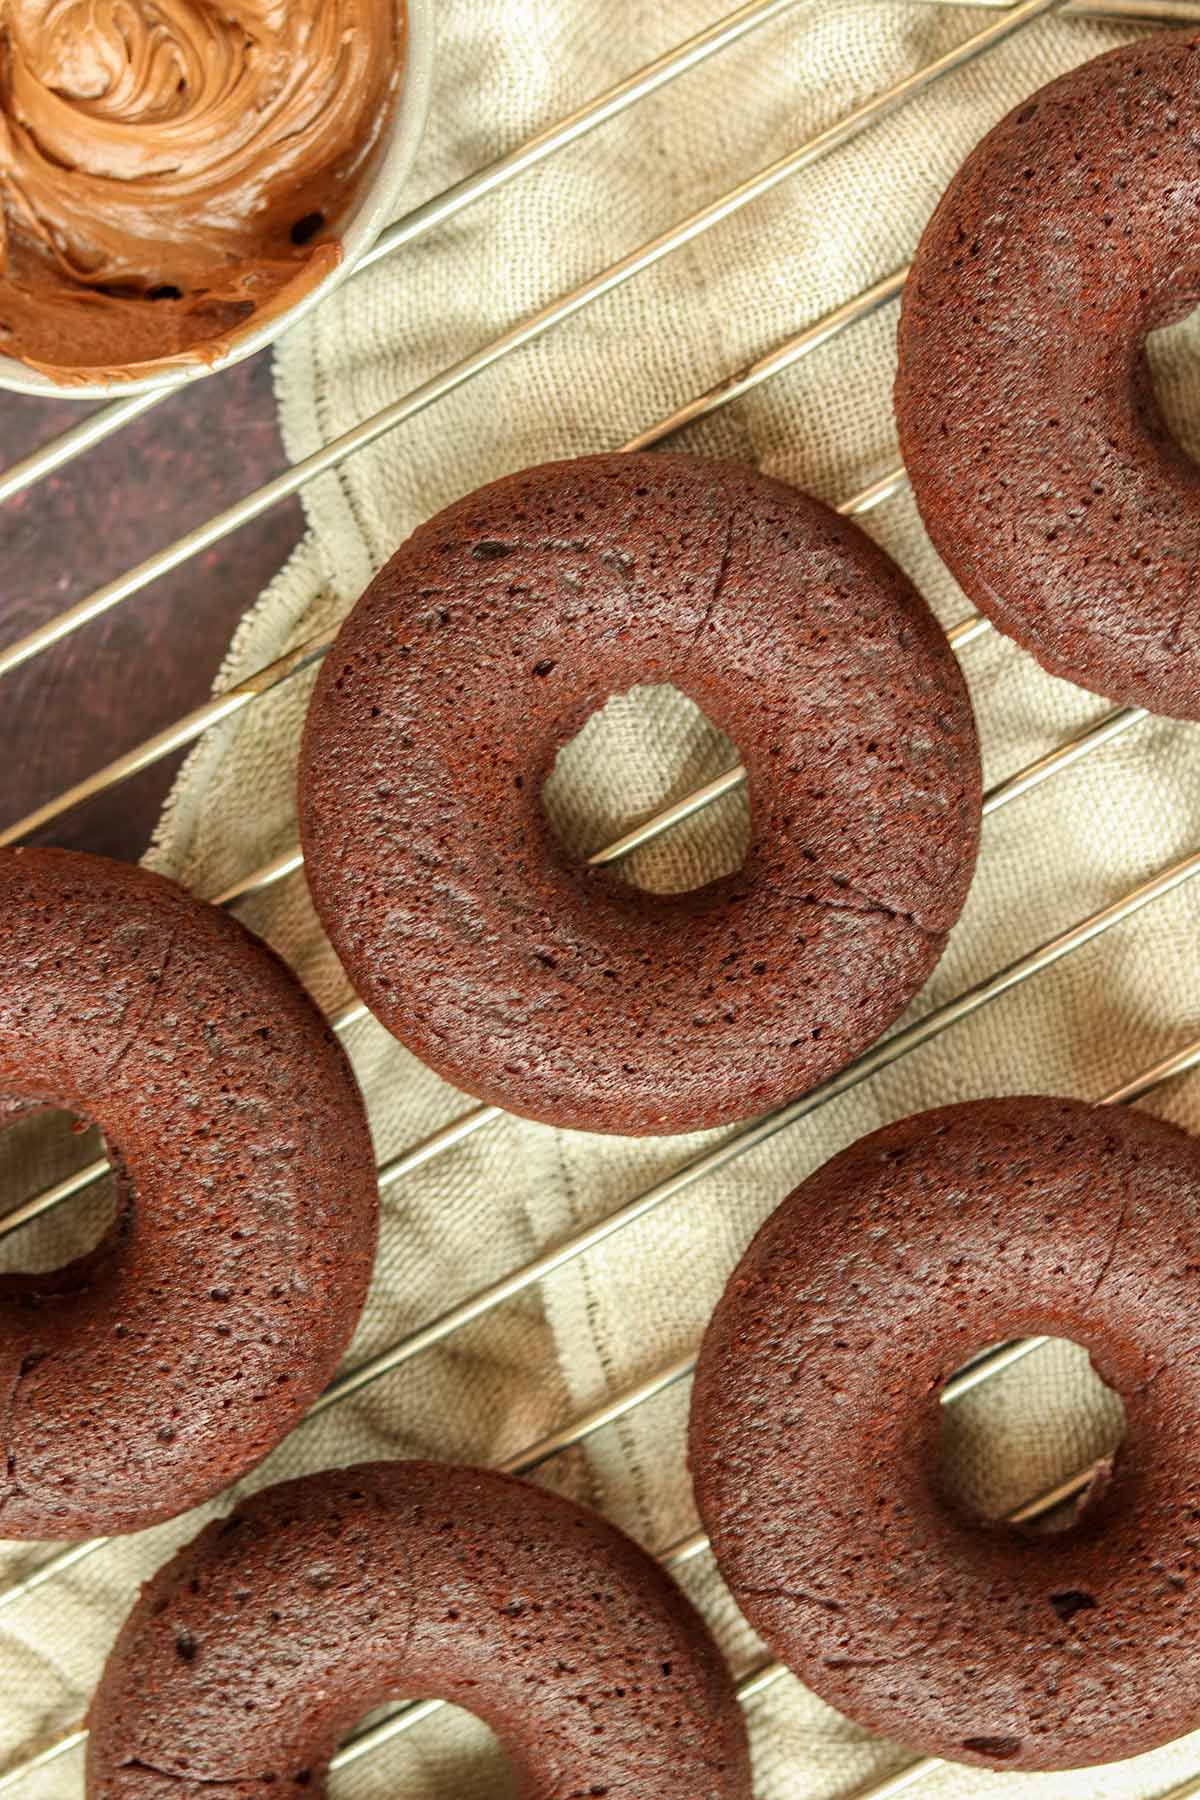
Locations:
column 168, row 167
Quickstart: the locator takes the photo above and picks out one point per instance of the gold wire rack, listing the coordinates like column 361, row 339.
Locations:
column 57, row 454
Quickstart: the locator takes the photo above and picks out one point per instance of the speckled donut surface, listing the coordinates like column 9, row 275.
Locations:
column 254, row 1652
column 561, row 991
column 1040, row 460
column 140, row 1379
column 815, row 1422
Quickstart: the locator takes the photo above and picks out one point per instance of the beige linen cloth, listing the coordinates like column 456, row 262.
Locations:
column 612, row 1318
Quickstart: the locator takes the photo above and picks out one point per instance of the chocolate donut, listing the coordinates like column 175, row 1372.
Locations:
column 1040, row 460
column 815, row 1419
column 252, row 1654
column 144, row 1376
column 559, row 991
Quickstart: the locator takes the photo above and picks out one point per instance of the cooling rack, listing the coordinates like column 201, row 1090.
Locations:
column 75, row 442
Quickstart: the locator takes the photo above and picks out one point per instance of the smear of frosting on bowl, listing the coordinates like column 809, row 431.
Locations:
column 170, row 169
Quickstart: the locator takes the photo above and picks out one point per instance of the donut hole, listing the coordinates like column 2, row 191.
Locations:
column 1032, row 1447
column 457, row 1738
column 1173, row 355
column 36, row 1153
column 642, row 751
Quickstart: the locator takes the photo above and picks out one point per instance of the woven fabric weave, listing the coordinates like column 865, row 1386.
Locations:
column 614, row 1316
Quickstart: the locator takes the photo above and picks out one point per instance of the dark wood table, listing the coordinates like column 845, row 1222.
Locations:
column 127, row 675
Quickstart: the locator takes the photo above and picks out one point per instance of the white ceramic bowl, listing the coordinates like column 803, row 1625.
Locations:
column 375, row 208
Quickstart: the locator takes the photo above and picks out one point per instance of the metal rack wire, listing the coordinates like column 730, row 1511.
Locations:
column 82, row 437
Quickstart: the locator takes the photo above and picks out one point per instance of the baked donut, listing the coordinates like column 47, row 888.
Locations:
column 142, row 1377
column 562, row 992
column 252, row 1653
column 814, row 1432
column 1040, row 460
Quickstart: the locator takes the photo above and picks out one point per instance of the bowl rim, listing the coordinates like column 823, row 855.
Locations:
column 375, row 209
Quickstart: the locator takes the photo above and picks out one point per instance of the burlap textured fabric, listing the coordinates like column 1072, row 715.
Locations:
column 613, row 1317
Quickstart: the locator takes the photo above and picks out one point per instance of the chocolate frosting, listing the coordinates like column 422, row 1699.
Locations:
column 166, row 165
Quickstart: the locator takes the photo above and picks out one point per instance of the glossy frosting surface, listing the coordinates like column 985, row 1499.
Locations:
column 166, row 165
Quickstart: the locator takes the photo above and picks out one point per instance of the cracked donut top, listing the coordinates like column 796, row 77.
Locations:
column 1041, row 460
column 558, row 989
column 256, row 1649
column 171, row 168
column 815, row 1428
column 140, row 1378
